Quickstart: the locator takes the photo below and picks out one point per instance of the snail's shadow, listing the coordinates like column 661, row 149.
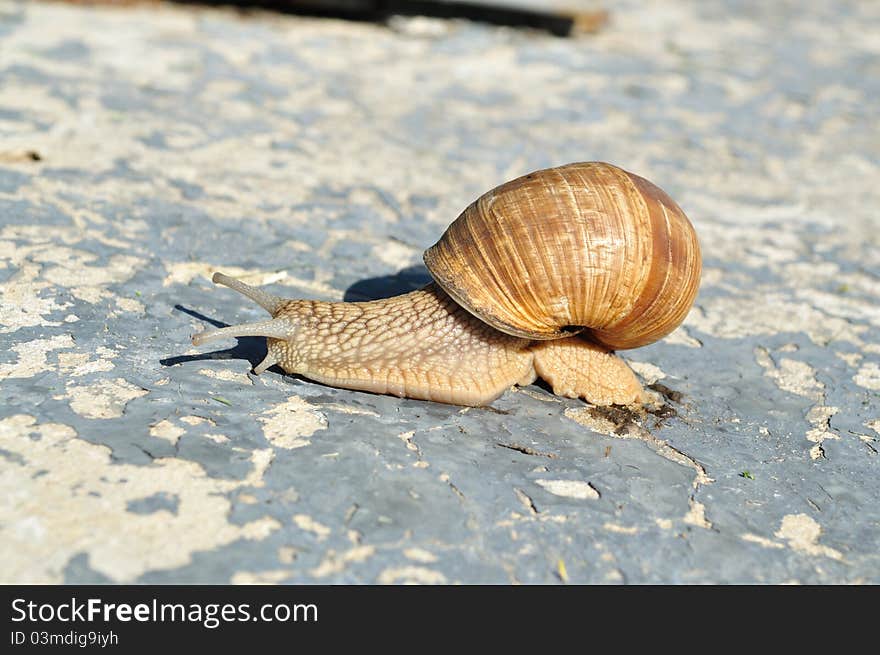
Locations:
column 373, row 288
column 253, row 349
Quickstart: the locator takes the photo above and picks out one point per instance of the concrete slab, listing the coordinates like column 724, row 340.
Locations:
column 144, row 148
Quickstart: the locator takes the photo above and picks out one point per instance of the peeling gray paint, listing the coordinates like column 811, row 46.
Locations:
column 197, row 140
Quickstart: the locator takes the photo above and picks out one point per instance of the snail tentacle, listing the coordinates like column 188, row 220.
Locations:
column 265, row 300
column 278, row 328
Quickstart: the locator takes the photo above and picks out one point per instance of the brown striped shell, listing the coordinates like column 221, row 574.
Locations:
column 582, row 247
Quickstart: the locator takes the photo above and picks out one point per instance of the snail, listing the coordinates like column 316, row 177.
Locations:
column 543, row 276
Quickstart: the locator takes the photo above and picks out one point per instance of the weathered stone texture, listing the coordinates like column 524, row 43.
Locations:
column 141, row 149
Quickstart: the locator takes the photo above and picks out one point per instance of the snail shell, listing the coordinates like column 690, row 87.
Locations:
column 586, row 247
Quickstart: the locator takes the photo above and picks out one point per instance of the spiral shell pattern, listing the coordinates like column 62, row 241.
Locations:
column 586, row 247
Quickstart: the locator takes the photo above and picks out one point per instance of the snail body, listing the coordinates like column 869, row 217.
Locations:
column 540, row 277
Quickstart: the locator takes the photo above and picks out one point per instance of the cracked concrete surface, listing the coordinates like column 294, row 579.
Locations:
column 144, row 148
